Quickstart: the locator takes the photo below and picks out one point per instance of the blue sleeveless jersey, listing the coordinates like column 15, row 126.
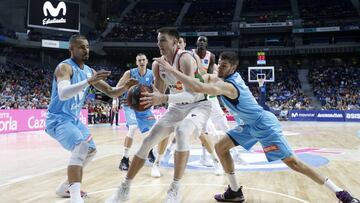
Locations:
column 146, row 79
column 69, row 109
column 245, row 106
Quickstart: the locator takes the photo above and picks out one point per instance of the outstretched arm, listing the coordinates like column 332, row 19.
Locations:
column 114, row 91
column 213, row 88
column 188, row 66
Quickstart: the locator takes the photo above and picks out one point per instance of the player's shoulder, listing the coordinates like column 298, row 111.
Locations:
column 186, row 55
column 63, row 66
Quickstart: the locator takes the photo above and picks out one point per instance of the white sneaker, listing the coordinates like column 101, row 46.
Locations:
column 218, row 168
column 155, row 171
column 120, row 195
column 63, row 191
column 173, row 194
column 205, row 161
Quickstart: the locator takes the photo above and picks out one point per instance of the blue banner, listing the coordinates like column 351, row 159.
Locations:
column 352, row 115
column 330, row 115
column 301, row 115
column 325, row 115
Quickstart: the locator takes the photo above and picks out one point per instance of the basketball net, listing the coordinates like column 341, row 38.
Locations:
column 261, row 81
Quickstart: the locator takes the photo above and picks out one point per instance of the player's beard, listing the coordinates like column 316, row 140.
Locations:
column 85, row 58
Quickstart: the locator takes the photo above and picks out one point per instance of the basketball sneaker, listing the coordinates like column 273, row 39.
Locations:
column 230, row 196
column 63, row 191
column 124, row 164
column 173, row 195
column 121, row 194
column 155, row 171
column 345, row 197
column 151, row 156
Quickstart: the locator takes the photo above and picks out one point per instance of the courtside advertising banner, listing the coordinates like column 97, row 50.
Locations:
column 325, row 115
column 28, row 120
column 352, row 115
column 301, row 115
column 55, row 15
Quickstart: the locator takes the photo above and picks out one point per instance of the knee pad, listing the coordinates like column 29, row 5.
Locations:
column 183, row 132
column 131, row 132
column 156, row 135
column 79, row 154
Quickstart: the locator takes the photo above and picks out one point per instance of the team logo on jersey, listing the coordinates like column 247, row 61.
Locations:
column 179, row 86
column 206, row 61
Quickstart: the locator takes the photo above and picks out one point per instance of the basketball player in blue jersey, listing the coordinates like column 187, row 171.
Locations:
column 70, row 86
column 259, row 126
column 143, row 120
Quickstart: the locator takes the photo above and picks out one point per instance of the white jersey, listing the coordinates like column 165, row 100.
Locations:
column 205, row 62
column 172, row 82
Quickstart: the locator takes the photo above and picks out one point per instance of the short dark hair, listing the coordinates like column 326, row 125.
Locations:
column 76, row 37
column 183, row 38
column 171, row 31
column 140, row 54
column 232, row 57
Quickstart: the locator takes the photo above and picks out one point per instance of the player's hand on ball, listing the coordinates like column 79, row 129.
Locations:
column 130, row 82
column 99, row 75
column 164, row 64
column 150, row 99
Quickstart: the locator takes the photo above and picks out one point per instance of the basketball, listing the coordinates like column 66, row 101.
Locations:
column 134, row 95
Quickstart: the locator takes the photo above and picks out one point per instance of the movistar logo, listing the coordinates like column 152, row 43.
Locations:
column 54, row 12
column 49, row 8
column 294, row 115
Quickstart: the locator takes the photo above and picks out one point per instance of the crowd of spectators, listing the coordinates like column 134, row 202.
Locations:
column 336, row 87
column 24, row 87
column 28, row 86
column 209, row 13
column 327, row 13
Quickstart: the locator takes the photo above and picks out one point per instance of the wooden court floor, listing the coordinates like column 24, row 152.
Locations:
column 33, row 164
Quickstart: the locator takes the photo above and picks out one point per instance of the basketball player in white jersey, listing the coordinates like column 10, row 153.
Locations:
column 205, row 140
column 188, row 111
column 217, row 121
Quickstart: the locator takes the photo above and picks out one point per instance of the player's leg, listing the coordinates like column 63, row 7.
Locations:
column 158, row 132
column 155, row 170
column 194, row 121
column 74, row 138
column 131, row 123
column 237, row 136
column 276, row 147
column 146, row 121
column 209, row 146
